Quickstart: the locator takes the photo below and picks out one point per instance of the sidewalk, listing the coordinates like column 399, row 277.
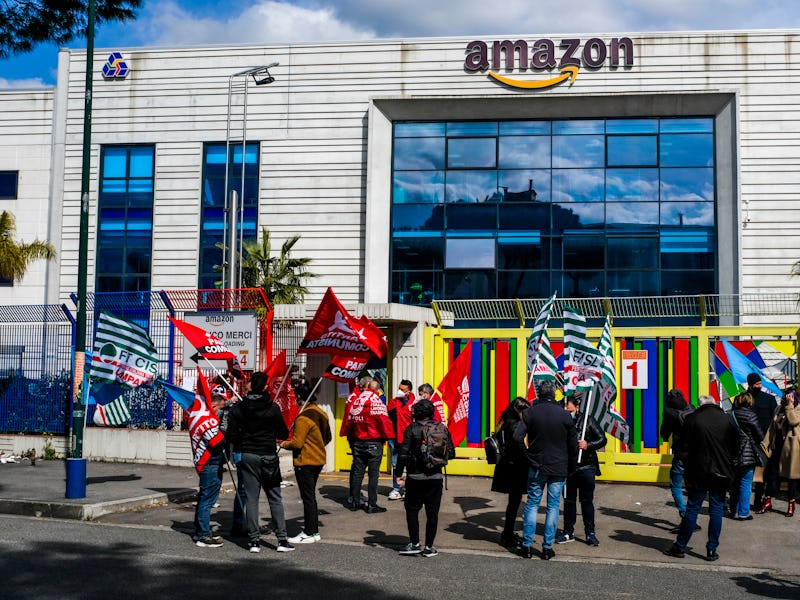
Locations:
column 633, row 521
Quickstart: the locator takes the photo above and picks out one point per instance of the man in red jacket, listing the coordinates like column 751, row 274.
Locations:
column 399, row 409
column 366, row 422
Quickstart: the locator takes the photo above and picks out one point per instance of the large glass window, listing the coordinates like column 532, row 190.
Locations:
column 590, row 207
column 212, row 211
column 125, row 219
column 8, row 185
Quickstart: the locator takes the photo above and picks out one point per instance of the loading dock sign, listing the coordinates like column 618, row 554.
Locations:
column 237, row 330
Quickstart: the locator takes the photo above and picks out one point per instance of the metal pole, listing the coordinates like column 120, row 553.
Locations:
column 79, row 415
column 234, row 225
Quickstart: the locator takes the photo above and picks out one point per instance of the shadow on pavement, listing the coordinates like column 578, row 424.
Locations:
column 109, row 478
column 630, row 515
column 646, row 541
column 768, row 586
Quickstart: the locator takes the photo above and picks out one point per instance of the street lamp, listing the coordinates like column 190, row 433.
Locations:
column 234, row 202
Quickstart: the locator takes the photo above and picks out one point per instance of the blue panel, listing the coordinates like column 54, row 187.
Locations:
column 650, row 397
column 475, row 386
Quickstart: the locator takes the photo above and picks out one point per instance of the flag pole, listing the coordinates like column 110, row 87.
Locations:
column 586, row 418
column 219, row 374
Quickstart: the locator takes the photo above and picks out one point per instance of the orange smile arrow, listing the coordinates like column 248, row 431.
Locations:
column 566, row 73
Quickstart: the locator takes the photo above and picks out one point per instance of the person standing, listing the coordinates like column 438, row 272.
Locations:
column 712, row 443
column 399, row 408
column 552, row 449
column 582, row 480
column 254, row 426
column 312, row 433
column 676, row 409
column 362, row 384
column 511, row 472
column 208, row 491
column 424, row 483
column 427, row 392
column 790, row 450
column 745, row 463
column 765, row 405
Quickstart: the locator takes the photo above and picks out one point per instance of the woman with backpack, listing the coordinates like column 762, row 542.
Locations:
column 511, row 472
column 427, row 446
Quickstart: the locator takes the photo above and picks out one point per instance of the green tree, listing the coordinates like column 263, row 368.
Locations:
column 26, row 23
column 279, row 275
column 16, row 256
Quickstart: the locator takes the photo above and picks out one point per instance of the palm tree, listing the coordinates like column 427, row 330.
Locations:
column 280, row 276
column 16, row 256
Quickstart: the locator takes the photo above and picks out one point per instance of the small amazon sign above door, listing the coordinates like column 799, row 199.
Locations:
column 540, row 59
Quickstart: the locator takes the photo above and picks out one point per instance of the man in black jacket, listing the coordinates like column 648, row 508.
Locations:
column 423, row 485
column 552, row 450
column 582, row 480
column 254, row 426
column 712, row 443
column 676, row 409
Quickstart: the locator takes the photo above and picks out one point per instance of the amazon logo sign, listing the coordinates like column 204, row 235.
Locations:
column 569, row 55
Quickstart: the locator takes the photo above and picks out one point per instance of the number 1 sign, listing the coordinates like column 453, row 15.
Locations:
column 634, row 369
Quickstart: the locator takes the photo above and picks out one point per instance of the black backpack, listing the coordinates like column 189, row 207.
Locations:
column 434, row 450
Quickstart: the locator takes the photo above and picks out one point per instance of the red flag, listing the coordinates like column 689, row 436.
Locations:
column 331, row 331
column 371, row 335
column 438, row 414
column 286, row 399
column 207, row 344
column 455, row 394
column 345, row 368
column 204, row 432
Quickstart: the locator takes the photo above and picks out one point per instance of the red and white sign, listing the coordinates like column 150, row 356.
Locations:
column 634, row 369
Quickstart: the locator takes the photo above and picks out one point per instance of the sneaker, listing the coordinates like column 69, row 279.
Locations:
column 371, row 510
column 209, row 541
column 410, row 549
column 712, row 555
column 255, row 547
column 284, row 546
column 430, row 552
column 547, row 553
column 526, row 551
column 675, row 551
column 395, row 495
column 565, row 538
column 592, row 540
column 304, row 538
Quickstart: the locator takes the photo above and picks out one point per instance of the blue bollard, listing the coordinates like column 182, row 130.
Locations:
column 76, row 478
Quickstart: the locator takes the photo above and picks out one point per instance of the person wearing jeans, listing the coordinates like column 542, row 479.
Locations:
column 745, row 462
column 676, row 409
column 207, row 494
column 537, row 481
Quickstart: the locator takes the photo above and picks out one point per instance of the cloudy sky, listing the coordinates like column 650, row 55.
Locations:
column 205, row 22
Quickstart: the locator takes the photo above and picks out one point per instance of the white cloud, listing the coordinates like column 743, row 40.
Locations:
column 14, row 84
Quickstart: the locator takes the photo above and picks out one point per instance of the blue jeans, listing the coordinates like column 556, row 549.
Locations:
column 536, row 484
column 740, row 492
column 716, row 501
column 676, row 485
column 207, row 494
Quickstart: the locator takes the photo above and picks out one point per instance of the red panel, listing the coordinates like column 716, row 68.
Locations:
column 681, row 360
column 502, row 377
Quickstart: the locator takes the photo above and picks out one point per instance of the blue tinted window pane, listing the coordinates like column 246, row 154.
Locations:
column 419, row 153
column 472, row 216
column 522, row 253
column 686, row 240
column 471, row 152
column 583, row 284
column 115, row 161
column 699, row 125
column 578, row 185
column 632, row 214
column 578, row 126
column 682, row 214
column 418, row 217
column 523, row 284
column 525, row 128
column 687, row 185
column 676, row 283
column 418, row 129
column 140, row 186
column 416, row 287
column 524, row 216
column 631, row 185
column 472, row 186
column 525, row 186
column 633, row 252
column 524, row 152
column 460, row 285
column 631, row 126
column 578, row 216
column 632, row 283
column 418, row 253
column 113, row 186
column 687, row 150
column 215, row 154
column 571, row 151
column 470, row 253
column 141, row 161
column 584, row 251
column 418, row 186
column 214, row 191
column 632, row 150
column 110, row 260
column 472, row 128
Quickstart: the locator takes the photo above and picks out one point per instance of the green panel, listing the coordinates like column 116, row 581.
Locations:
column 486, row 382
column 662, row 381
column 637, row 412
column 693, row 382
column 512, row 365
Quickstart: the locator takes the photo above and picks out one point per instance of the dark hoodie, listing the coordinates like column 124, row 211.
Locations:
column 255, row 424
column 676, row 410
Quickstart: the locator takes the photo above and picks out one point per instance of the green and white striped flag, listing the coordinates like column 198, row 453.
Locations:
column 537, row 334
column 603, row 409
column 546, row 365
column 114, row 413
column 582, row 361
column 123, row 353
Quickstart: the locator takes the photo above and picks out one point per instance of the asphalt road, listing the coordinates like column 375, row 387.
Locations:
column 48, row 558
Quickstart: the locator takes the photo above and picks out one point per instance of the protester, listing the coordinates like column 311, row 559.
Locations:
column 790, row 450
column 765, row 405
column 676, row 409
column 238, row 528
column 312, row 433
column 750, row 435
column 208, row 491
column 712, row 443
column 367, row 424
column 363, row 383
column 399, row 408
column 427, row 392
column 582, row 480
column 552, row 448
column 511, row 472
column 254, row 426
column 424, row 483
